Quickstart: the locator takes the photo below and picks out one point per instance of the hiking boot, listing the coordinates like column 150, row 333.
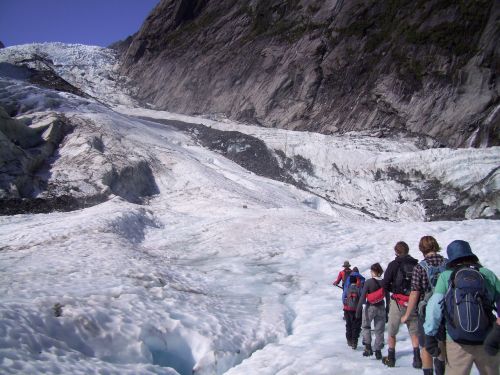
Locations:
column 354, row 344
column 368, row 351
column 390, row 360
column 417, row 361
column 378, row 354
column 439, row 366
column 349, row 343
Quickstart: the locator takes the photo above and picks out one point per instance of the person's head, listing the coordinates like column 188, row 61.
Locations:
column 355, row 269
column 376, row 269
column 346, row 264
column 459, row 252
column 401, row 248
column 428, row 244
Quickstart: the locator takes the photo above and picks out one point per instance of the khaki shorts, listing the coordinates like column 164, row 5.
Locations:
column 461, row 357
column 395, row 314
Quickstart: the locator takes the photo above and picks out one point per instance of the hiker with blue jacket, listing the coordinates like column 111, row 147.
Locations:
column 376, row 300
column 424, row 278
column 350, row 298
column 465, row 295
column 358, row 278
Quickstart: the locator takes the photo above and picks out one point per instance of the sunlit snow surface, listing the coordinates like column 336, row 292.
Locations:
column 222, row 272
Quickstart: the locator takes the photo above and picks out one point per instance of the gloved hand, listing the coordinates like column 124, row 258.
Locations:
column 431, row 345
column 492, row 342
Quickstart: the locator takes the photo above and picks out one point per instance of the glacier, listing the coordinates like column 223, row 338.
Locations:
column 185, row 262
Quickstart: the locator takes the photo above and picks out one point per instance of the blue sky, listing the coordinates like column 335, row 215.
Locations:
column 93, row 22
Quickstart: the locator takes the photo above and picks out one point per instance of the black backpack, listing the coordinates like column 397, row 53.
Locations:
column 402, row 282
column 467, row 308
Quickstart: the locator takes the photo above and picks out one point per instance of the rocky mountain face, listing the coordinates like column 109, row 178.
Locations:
column 1, row 44
column 425, row 67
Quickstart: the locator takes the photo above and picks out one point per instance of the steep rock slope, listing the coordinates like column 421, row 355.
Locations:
column 412, row 66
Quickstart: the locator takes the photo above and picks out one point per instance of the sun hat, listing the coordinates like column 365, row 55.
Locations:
column 459, row 249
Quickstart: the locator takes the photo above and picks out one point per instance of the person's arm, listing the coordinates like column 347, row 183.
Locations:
column 388, row 277
column 339, row 277
column 362, row 301
column 412, row 304
column 387, row 301
column 497, row 297
column 433, row 310
column 492, row 341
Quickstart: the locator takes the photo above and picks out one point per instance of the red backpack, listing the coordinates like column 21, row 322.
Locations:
column 376, row 296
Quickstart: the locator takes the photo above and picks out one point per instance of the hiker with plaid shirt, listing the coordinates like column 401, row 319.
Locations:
column 420, row 286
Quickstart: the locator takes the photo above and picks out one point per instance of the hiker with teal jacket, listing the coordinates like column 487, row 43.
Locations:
column 465, row 296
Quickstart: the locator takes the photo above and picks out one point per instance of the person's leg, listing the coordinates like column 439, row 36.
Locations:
column 427, row 362
column 356, row 330
column 367, row 326
column 393, row 324
column 458, row 359
column 379, row 321
column 412, row 324
column 348, row 328
column 486, row 364
column 392, row 330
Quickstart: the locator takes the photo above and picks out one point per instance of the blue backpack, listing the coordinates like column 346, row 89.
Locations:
column 467, row 308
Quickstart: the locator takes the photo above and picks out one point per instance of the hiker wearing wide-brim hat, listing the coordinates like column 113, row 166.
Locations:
column 460, row 252
column 465, row 295
column 343, row 274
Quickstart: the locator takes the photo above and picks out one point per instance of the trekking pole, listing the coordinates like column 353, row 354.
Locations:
column 338, row 286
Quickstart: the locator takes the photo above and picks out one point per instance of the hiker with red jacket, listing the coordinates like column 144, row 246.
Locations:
column 343, row 274
column 351, row 295
column 424, row 279
column 397, row 280
column 377, row 306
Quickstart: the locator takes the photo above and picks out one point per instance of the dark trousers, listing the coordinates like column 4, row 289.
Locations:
column 352, row 326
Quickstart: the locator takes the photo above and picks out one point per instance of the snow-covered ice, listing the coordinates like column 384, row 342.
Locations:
column 221, row 271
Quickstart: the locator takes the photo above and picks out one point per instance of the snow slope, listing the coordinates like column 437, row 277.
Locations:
column 220, row 272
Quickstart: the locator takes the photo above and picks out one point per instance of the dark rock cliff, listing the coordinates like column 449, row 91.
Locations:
column 428, row 67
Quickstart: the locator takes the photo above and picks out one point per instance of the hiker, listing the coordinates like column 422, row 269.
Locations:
column 377, row 305
column 343, row 274
column 424, row 278
column 397, row 280
column 360, row 281
column 465, row 295
column 351, row 300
